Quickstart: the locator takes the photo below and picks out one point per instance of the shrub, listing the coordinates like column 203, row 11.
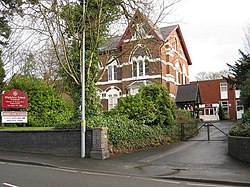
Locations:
column 242, row 128
column 46, row 107
column 183, row 116
column 151, row 106
column 129, row 135
column 222, row 114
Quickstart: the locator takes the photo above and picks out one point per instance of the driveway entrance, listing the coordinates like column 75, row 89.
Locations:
column 205, row 132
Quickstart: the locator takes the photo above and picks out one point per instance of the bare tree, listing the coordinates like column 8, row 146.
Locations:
column 247, row 39
column 201, row 76
column 50, row 23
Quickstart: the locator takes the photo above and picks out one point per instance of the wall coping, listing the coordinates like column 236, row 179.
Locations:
column 36, row 131
column 239, row 137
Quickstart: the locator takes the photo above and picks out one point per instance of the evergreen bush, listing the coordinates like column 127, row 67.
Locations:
column 151, row 106
column 45, row 106
column 243, row 127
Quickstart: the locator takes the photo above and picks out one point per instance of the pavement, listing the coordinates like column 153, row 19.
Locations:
column 155, row 162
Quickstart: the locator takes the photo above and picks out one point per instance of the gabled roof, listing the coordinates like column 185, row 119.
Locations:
column 187, row 93
column 161, row 34
column 154, row 29
column 166, row 31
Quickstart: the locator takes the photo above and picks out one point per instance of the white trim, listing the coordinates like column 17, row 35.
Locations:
column 134, row 39
column 172, row 95
column 167, row 78
column 169, row 52
column 168, row 44
column 109, row 82
column 167, row 63
column 142, row 78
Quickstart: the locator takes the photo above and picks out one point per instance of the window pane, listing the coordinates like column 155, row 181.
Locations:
column 146, row 67
column 135, row 69
column 140, row 68
column 110, row 73
column 115, row 72
column 115, row 100
column 110, row 102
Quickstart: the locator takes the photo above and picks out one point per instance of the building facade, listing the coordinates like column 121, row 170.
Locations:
column 144, row 54
column 215, row 93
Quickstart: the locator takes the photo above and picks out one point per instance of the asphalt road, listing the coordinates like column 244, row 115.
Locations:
column 21, row 175
column 198, row 161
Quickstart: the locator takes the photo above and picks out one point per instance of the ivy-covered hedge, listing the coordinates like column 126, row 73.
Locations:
column 127, row 135
column 243, row 127
column 147, row 119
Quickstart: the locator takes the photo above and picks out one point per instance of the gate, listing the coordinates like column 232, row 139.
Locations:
column 208, row 127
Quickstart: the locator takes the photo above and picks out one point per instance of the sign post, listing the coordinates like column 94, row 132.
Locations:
column 14, row 99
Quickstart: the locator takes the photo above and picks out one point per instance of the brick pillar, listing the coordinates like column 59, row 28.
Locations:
column 99, row 143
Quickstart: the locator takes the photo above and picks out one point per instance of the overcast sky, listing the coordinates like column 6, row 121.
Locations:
column 213, row 31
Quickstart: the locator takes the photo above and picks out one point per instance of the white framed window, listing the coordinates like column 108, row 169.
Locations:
column 140, row 67
column 177, row 72
column 223, row 90
column 210, row 111
column 239, row 106
column 113, row 95
column 134, row 90
column 184, row 74
column 112, row 70
column 237, row 94
column 112, row 101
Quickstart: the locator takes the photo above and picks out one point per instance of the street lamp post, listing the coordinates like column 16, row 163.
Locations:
column 83, row 123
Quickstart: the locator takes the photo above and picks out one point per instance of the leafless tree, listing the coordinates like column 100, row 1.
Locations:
column 42, row 32
column 247, row 39
column 201, row 76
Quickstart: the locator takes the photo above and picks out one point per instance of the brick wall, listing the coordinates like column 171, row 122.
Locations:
column 56, row 142
column 239, row 147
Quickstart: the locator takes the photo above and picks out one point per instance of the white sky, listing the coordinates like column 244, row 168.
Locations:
column 213, row 31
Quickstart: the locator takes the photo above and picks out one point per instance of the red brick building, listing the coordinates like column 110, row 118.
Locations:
column 216, row 92
column 144, row 54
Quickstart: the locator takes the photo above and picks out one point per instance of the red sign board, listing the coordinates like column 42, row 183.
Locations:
column 208, row 105
column 14, row 99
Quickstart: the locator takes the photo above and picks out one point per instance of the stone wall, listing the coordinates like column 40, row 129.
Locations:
column 239, row 147
column 57, row 142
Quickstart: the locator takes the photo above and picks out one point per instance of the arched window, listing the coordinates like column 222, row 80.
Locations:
column 184, row 74
column 175, row 43
column 134, row 87
column 113, row 96
column 177, row 72
column 140, row 61
column 140, row 67
column 112, row 70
